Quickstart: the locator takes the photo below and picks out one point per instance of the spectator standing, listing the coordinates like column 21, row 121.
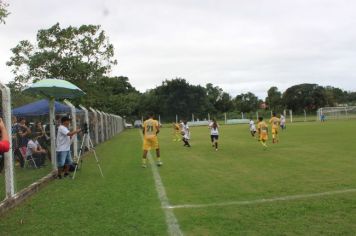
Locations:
column 22, row 133
column 4, row 143
column 64, row 136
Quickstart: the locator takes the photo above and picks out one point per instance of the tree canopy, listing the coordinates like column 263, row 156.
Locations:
column 77, row 54
column 3, row 11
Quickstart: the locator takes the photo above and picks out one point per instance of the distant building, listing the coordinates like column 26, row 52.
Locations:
column 263, row 105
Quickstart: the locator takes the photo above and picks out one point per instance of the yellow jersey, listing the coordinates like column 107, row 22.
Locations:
column 263, row 130
column 262, row 127
column 150, row 128
column 176, row 127
column 274, row 121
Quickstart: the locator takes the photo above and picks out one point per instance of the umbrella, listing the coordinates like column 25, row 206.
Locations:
column 54, row 89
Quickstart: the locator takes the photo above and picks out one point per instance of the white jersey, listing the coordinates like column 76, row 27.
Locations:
column 214, row 131
column 186, row 131
column 282, row 120
column 252, row 126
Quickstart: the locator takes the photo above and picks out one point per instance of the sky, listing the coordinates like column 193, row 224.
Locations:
column 238, row 45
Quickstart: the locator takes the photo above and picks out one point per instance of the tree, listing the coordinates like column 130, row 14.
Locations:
column 308, row 97
column 246, row 102
column 335, row 96
column 76, row 54
column 274, row 99
column 3, row 11
column 219, row 101
column 176, row 96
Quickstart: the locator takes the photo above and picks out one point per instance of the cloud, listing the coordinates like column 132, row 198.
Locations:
column 239, row 45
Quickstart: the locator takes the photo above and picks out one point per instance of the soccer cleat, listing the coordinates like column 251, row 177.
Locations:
column 216, row 149
column 144, row 166
column 159, row 163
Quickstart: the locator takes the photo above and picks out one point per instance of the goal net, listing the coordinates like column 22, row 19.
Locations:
column 335, row 113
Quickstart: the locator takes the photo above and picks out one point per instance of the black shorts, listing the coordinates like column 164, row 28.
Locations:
column 214, row 137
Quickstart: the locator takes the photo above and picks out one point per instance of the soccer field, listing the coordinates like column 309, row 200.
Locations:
column 306, row 184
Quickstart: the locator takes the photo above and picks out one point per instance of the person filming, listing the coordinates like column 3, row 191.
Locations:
column 64, row 136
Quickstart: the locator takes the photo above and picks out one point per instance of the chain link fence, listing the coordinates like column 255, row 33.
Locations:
column 21, row 166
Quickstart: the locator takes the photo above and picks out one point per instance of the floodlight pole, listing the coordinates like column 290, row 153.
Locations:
column 52, row 125
column 74, row 125
column 9, row 161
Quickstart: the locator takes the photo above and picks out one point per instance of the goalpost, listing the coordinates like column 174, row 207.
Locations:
column 336, row 113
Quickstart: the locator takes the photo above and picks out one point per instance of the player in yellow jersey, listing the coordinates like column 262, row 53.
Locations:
column 150, row 139
column 176, row 132
column 262, row 131
column 275, row 121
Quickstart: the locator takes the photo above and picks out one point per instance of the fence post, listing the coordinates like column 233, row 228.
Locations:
column 225, row 118
column 256, row 115
column 86, row 117
column 176, row 118
column 9, row 161
column 74, row 124
column 96, row 128
column 106, row 126
column 101, row 125
column 208, row 116
column 305, row 115
column 291, row 116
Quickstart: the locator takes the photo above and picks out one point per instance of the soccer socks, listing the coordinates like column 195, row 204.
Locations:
column 263, row 143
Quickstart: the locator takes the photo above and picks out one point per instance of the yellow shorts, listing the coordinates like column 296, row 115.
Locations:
column 150, row 143
column 274, row 131
column 263, row 137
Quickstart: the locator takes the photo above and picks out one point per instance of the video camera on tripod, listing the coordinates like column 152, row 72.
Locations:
column 85, row 128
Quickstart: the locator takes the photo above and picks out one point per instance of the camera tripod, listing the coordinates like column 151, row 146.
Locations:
column 90, row 149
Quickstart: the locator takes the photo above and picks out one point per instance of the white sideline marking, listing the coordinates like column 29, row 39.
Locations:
column 258, row 201
column 171, row 220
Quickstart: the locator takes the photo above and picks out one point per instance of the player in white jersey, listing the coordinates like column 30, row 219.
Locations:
column 214, row 134
column 283, row 122
column 253, row 129
column 186, row 134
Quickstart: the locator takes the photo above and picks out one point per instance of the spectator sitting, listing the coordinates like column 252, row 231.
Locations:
column 4, row 142
column 35, row 151
column 42, row 137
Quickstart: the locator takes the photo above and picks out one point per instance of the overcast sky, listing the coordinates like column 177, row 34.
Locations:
column 238, row 45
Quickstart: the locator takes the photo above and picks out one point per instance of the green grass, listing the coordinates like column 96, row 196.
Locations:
column 24, row 177
column 310, row 158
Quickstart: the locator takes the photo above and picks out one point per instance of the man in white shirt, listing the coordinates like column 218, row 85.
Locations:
column 64, row 136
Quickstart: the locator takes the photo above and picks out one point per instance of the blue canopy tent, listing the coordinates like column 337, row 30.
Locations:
column 40, row 108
